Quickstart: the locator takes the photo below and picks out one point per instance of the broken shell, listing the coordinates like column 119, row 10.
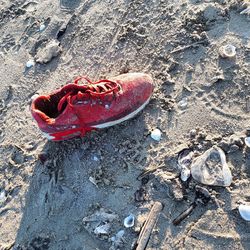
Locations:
column 2, row 196
column 42, row 27
column 101, row 216
column 185, row 157
column 118, row 237
column 30, row 63
column 95, row 158
column 244, row 211
column 103, row 229
column 183, row 103
column 184, row 162
column 227, row 51
column 211, row 168
column 129, row 221
column 247, row 141
column 156, row 134
column 185, row 174
column 120, row 234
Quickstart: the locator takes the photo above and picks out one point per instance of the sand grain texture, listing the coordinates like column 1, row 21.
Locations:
column 45, row 200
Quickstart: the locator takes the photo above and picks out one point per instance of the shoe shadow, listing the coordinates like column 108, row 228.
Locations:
column 53, row 206
column 61, row 194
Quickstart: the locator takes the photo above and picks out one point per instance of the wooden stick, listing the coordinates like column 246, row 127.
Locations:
column 148, row 226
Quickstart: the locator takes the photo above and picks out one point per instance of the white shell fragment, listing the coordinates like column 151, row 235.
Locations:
column 156, row 134
column 247, row 141
column 103, row 229
column 227, row 51
column 118, row 240
column 30, row 63
column 183, row 103
column 211, row 168
column 185, row 174
column 95, row 158
column 244, row 211
column 101, row 216
column 42, row 27
column 100, row 222
column 129, row 221
column 184, row 161
column 2, row 196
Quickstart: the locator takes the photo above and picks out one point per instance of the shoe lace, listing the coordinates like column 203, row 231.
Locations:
column 98, row 90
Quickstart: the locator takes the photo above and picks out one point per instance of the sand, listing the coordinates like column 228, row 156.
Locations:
column 200, row 100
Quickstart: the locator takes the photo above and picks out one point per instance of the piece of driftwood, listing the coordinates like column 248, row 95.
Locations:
column 148, row 226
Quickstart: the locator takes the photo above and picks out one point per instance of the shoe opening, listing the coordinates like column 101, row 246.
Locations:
column 49, row 104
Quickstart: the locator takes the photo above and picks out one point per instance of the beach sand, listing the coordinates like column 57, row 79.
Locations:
column 200, row 99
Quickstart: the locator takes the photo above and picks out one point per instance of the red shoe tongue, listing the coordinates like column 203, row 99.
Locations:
column 62, row 102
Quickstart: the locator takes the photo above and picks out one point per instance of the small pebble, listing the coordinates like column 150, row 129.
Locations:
column 156, row 134
column 30, row 63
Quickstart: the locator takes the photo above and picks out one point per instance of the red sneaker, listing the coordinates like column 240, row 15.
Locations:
column 76, row 109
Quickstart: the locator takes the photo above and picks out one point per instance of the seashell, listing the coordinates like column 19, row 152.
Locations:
column 211, row 168
column 129, row 221
column 103, row 229
column 101, row 216
column 183, row 103
column 185, row 157
column 2, row 196
column 156, row 134
column 244, row 211
column 42, row 27
column 185, row 174
column 227, row 51
column 118, row 238
column 184, row 162
column 247, row 141
column 30, row 63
